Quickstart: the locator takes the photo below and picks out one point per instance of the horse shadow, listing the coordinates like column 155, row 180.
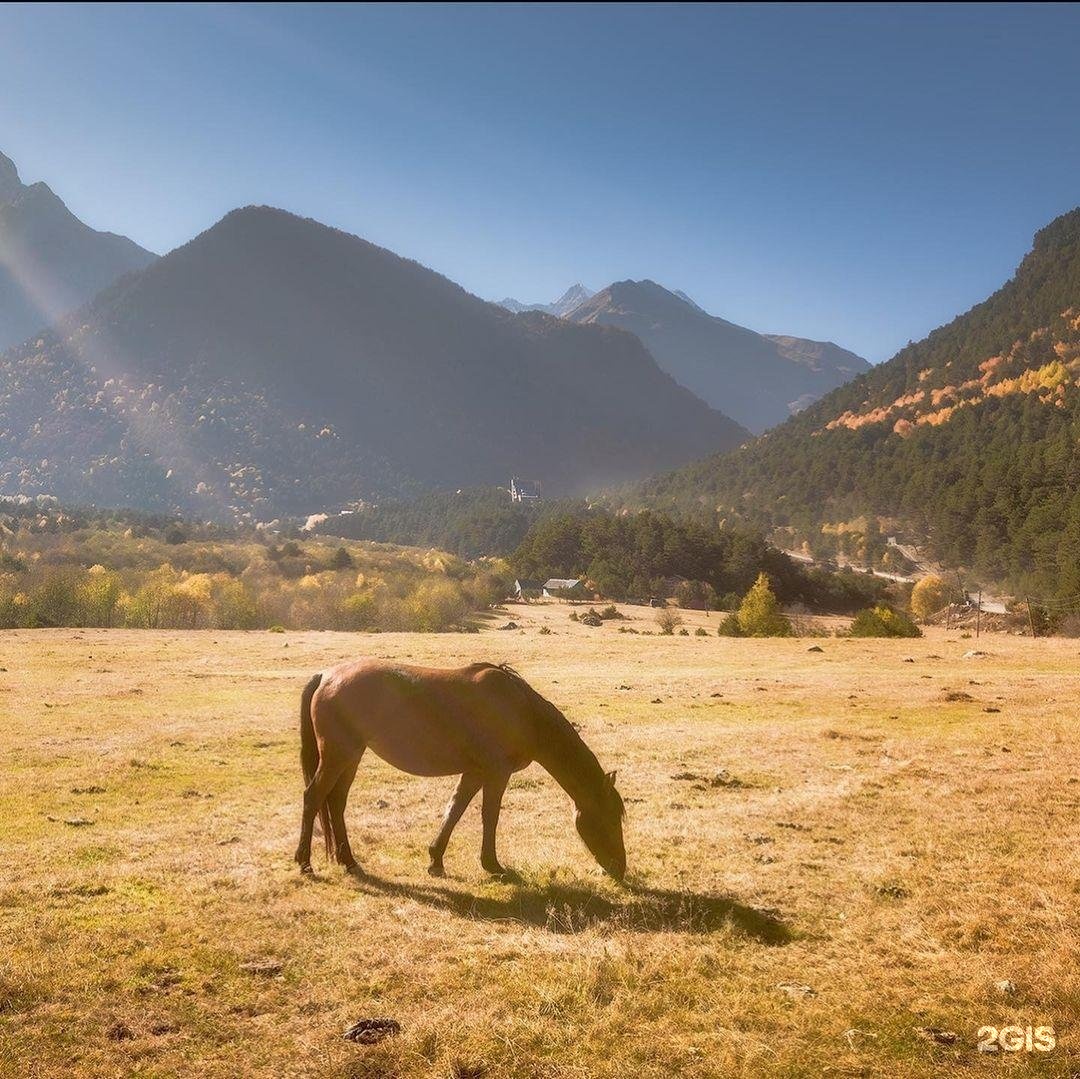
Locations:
column 570, row 908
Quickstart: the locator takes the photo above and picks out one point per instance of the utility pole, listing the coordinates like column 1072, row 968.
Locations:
column 978, row 616
column 1031, row 620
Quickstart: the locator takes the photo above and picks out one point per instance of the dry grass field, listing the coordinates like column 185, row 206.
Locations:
column 829, row 851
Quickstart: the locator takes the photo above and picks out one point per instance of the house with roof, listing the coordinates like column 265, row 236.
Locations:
column 564, row 588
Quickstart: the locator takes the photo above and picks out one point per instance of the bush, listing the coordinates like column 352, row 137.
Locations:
column 701, row 631
column 668, row 621
column 930, row 595
column 437, row 605
column 882, row 621
column 759, row 613
column 610, row 612
column 730, row 627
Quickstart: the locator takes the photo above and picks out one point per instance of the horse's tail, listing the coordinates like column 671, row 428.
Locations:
column 309, row 757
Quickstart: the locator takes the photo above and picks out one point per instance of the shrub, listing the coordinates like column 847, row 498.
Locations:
column 437, row 605
column 610, row 612
column 730, row 627
column 359, row 611
column 882, row 621
column 929, row 596
column 759, row 613
column 668, row 621
column 701, row 631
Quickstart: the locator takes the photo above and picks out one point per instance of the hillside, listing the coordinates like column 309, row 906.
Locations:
column 966, row 441
column 50, row 262
column 757, row 379
column 274, row 365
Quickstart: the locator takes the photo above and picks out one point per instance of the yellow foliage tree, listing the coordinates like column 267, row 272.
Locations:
column 759, row 613
column 929, row 596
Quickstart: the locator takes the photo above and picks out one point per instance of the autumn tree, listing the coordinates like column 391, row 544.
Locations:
column 929, row 596
column 759, row 613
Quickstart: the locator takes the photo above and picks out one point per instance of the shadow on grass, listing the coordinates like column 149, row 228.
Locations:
column 568, row 908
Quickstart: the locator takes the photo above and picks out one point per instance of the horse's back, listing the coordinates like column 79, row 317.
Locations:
column 424, row 720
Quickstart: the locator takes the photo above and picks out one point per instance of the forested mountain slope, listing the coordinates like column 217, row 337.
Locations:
column 966, row 441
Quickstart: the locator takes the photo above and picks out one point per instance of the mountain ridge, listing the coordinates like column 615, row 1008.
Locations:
column 757, row 379
column 274, row 364
column 50, row 261
column 575, row 295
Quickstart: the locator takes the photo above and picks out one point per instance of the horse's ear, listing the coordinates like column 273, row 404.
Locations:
column 611, row 778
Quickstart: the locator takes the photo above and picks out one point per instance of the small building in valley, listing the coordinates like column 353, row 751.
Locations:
column 564, row 588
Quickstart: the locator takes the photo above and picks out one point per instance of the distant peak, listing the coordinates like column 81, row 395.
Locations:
column 648, row 289
column 10, row 184
column 572, row 298
column 576, row 289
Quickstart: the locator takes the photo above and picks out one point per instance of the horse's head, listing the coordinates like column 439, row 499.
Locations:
column 600, row 826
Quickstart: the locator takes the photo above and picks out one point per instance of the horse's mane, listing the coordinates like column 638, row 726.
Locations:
column 536, row 696
column 569, row 730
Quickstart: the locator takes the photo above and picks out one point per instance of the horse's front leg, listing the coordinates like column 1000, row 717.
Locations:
column 467, row 787
column 494, row 788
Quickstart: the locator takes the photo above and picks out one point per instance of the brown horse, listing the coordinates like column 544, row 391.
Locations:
column 482, row 722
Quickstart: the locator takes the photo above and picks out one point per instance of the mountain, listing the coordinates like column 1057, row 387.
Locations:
column 276, row 365
column 50, row 262
column 967, row 443
column 573, row 297
column 756, row 379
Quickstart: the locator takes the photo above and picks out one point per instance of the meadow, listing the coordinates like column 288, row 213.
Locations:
column 842, row 862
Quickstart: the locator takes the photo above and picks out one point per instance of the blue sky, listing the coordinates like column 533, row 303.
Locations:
column 861, row 173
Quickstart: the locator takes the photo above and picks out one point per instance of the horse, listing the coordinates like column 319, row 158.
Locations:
column 483, row 722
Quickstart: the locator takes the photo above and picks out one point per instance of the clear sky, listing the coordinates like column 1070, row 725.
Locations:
column 859, row 173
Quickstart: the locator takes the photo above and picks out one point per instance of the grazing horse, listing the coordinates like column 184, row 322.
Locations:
column 482, row 722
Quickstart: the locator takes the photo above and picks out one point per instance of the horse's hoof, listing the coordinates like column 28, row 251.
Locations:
column 306, row 870
column 354, row 870
column 436, row 870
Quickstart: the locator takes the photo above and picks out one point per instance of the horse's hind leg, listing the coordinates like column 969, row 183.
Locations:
column 467, row 787
column 322, row 783
column 338, row 845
